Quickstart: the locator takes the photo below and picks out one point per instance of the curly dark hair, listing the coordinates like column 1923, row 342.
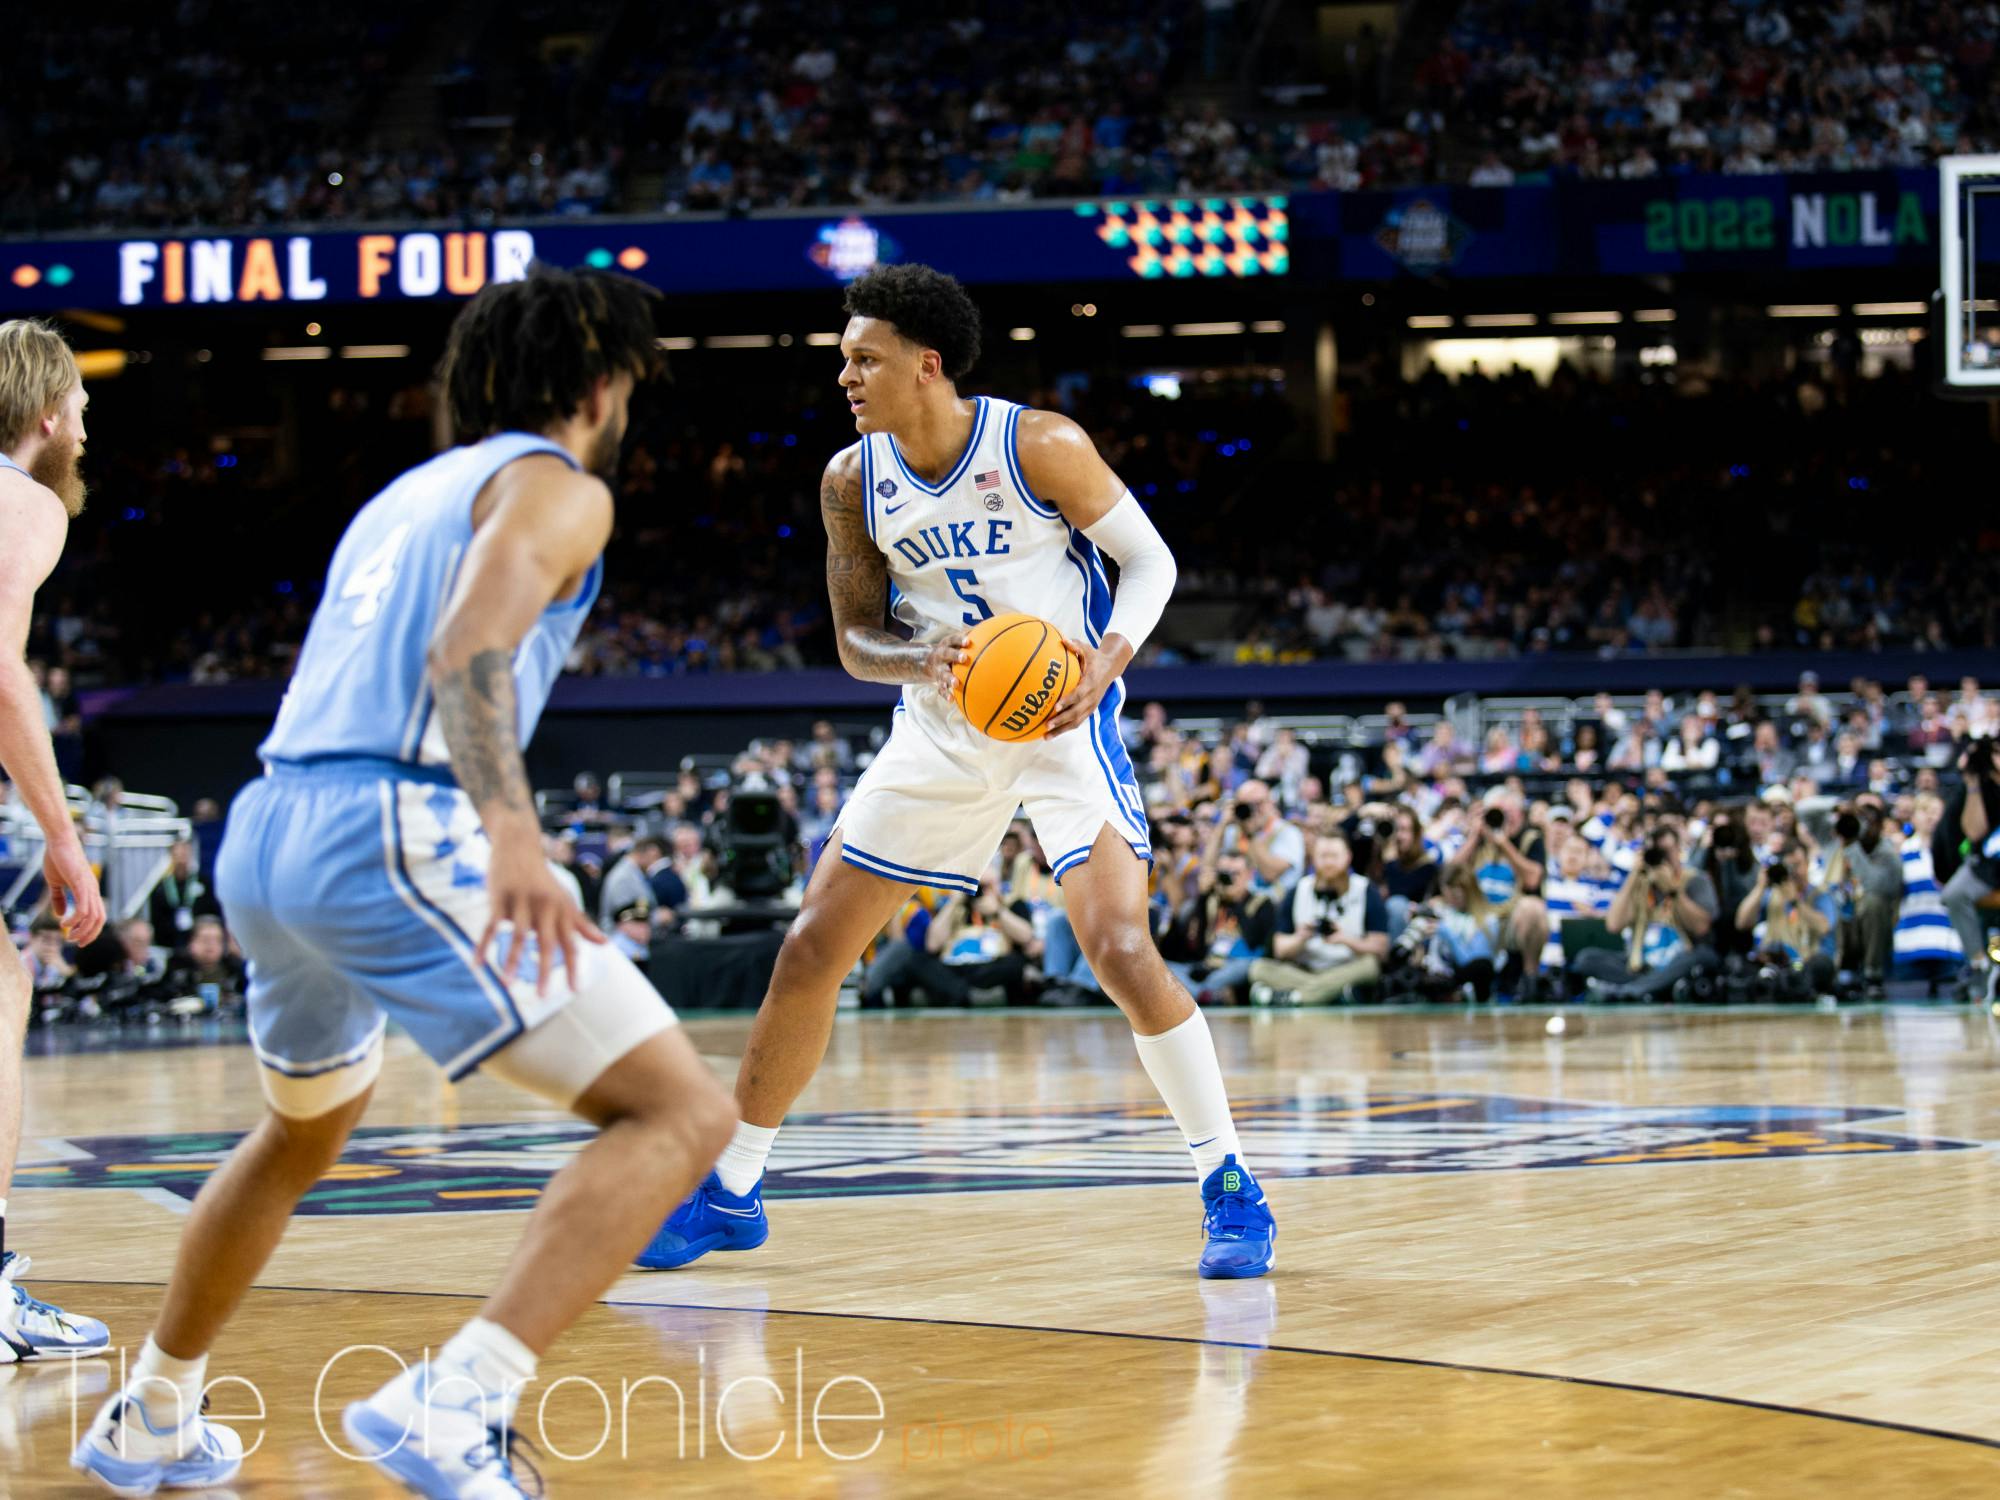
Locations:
column 927, row 307
column 524, row 354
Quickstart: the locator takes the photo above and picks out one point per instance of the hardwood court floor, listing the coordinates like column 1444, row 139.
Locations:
column 1668, row 1253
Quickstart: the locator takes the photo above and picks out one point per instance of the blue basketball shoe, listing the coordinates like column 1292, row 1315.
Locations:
column 1242, row 1235
column 129, row 1455
column 710, row 1218
column 32, row 1329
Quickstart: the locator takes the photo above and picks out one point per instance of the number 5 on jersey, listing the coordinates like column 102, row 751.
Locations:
column 372, row 579
column 963, row 580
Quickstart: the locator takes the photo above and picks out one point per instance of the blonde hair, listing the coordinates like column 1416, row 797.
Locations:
column 37, row 370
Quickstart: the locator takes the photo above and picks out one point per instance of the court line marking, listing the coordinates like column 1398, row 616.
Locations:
column 1406, row 1360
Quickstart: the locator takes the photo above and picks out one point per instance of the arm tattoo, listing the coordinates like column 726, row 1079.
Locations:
column 476, row 711
column 857, row 586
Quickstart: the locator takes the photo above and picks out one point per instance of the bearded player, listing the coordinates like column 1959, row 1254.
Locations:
column 951, row 510
column 41, row 442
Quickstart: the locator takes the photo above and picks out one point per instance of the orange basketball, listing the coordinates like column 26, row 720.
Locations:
column 1017, row 671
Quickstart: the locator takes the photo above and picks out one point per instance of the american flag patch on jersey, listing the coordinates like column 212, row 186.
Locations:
column 985, row 481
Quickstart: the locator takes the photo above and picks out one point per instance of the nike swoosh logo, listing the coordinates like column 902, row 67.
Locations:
column 1197, row 1145
column 735, row 1213
column 890, row 510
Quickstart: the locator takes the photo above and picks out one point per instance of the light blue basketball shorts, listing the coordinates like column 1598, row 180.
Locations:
column 358, row 894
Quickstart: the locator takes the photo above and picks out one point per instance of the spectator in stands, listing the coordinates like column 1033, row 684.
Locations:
column 694, row 863
column 1283, row 766
column 1275, row 847
column 1693, row 749
column 1771, row 761
column 644, row 877
column 180, row 896
column 1442, row 755
column 827, row 749
column 1930, row 735
column 1925, row 938
column 1332, row 933
column 1809, row 704
column 1571, row 890
column 816, row 824
column 206, row 970
column 65, row 718
column 1665, row 913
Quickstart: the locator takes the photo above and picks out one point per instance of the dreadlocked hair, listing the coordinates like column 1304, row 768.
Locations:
column 524, row 355
column 927, row 307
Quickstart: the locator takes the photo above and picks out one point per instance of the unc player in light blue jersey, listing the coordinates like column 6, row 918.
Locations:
column 41, row 443
column 949, row 511
column 389, row 866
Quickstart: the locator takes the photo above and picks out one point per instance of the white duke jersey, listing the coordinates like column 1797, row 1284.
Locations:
column 932, row 807
column 362, row 687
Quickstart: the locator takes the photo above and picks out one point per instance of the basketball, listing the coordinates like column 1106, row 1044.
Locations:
column 1018, row 671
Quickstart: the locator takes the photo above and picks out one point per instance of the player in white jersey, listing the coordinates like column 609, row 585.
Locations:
column 948, row 511
column 41, row 440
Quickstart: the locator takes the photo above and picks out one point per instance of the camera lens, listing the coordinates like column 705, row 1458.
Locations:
column 1495, row 818
column 1654, row 856
column 1245, row 811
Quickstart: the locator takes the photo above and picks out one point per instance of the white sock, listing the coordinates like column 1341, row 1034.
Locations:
column 169, row 1388
column 1182, row 1065
column 498, row 1361
column 743, row 1158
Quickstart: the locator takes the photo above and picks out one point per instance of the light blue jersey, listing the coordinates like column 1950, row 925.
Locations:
column 361, row 688
column 354, row 871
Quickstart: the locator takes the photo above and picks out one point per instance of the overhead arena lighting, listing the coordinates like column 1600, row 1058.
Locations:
column 1499, row 320
column 1573, row 318
column 1802, row 310
column 1269, row 325
column 1143, row 330
column 298, row 351
column 1020, row 335
column 1204, row 330
column 738, row 341
column 1431, row 320
column 823, row 340
column 1653, row 315
column 375, row 351
column 677, row 341
column 1889, row 309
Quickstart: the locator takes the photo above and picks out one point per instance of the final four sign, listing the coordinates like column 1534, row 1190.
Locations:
column 870, row 1153
column 367, row 267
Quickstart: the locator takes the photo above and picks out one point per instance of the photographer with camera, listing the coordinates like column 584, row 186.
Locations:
column 1332, row 933
column 1870, row 868
column 1220, row 936
column 1667, row 912
column 1966, row 850
column 1732, row 866
column 1508, row 858
column 976, row 943
column 1788, row 923
column 1250, row 825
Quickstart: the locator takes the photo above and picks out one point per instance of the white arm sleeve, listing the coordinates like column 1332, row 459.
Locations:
column 1146, row 569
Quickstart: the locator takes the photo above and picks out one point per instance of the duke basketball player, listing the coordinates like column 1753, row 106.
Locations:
column 389, row 866
column 949, row 511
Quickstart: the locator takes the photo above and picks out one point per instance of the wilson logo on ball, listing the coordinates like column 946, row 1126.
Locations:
column 1031, row 706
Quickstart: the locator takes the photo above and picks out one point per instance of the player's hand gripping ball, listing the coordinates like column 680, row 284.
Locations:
column 1016, row 671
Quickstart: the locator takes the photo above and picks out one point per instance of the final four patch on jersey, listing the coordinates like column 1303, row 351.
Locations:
column 867, row 1153
column 886, row 489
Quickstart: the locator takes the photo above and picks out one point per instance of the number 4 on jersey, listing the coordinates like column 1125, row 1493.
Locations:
column 372, row 579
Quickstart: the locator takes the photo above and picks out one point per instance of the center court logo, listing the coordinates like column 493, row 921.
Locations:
column 855, row 1153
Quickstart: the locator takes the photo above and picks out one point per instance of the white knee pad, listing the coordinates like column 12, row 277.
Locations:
column 567, row 1053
